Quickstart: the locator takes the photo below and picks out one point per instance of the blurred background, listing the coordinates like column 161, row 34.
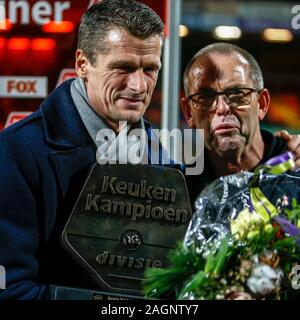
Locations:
column 37, row 53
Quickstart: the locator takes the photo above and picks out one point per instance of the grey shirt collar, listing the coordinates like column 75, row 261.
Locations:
column 92, row 121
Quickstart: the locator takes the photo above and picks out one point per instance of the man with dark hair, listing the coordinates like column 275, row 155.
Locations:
column 46, row 158
column 225, row 96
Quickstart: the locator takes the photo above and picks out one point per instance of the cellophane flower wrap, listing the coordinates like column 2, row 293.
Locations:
column 243, row 241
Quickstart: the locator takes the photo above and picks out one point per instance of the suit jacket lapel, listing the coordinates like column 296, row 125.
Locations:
column 73, row 149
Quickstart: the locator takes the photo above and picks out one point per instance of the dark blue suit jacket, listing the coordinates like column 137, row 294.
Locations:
column 44, row 161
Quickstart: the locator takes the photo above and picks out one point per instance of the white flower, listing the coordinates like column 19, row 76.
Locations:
column 264, row 280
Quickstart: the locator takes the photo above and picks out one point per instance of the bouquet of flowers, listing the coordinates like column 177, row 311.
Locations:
column 243, row 241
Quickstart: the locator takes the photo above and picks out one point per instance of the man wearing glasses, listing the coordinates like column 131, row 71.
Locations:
column 225, row 96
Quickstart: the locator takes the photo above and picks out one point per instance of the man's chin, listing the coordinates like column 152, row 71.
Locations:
column 228, row 146
column 131, row 116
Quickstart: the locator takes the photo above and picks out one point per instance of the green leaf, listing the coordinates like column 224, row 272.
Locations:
column 183, row 263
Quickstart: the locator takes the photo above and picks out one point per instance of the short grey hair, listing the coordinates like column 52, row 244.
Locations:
column 226, row 48
column 128, row 15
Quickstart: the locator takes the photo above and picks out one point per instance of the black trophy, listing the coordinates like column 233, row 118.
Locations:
column 125, row 220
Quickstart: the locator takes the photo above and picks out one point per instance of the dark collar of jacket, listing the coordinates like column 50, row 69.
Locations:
column 62, row 123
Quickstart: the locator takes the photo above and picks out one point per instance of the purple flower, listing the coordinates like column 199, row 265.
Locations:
column 289, row 228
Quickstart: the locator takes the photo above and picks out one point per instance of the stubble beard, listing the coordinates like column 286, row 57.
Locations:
column 229, row 148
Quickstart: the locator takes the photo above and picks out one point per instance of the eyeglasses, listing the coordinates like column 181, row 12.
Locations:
column 234, row 97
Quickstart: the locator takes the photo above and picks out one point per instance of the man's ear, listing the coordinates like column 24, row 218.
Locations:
column 186, row 110
column 81, row 64
column 264, row 103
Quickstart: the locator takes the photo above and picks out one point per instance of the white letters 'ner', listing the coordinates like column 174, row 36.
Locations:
column 42, row 12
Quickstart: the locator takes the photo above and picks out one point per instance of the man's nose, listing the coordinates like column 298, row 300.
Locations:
column 137, row 81
column 222, row 106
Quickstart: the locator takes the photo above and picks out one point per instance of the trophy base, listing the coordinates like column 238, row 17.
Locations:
column 68, row 293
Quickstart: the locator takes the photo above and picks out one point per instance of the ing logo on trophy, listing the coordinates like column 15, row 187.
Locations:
column 132, row 239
